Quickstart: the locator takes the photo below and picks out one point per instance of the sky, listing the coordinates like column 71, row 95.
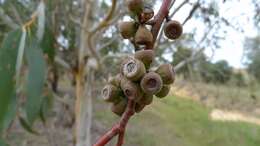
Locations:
column 239, row 13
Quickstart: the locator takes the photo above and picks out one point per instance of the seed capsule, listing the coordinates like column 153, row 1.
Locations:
column 131, row 90
column 147, row 99
column 146, row 56
column 139, row 107
column 146, row 14
column 127, row 29
column 119, row 108
column 173, row 29
column 133, row 69
column 164, row 91
column 115, row 80
column 111, row 93
column 143, row 36
column 167, row 73
column 151, row 83
column 135, row 6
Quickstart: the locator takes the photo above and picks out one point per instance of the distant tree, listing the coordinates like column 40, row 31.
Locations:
column 182, row 54
column 219, row 72
column 252, row 49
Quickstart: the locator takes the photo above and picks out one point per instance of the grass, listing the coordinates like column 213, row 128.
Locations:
column 176, row 121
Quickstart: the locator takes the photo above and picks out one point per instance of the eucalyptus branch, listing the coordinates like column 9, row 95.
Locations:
column 194, row 8
column 178, row 8
column 104, row 23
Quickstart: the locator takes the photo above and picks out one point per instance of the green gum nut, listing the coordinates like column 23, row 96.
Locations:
column 127, row 29
column 131, row 89
column 119, row 108
column 164, row 91
column 111, row 93
column 147, row 99
column 133, row 69
column 143, row 36
column 135, row 6
column 139, row 107
column 151, row 83
column 115, row 80
column 146, row 56
column 167, row 73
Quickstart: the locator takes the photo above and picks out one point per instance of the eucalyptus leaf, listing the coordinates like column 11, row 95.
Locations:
column 47, row 44
column 3, row 143
column 8, row 55
column 35, row 80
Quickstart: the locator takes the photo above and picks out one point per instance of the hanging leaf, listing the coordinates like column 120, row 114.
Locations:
column 8, row 55
column 3, row 143
column 10, row 112
column 26, row 126
column 46, row 106
column 35, row 80
column 47, row 44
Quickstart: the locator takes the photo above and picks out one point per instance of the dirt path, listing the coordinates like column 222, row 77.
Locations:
column 233, row 116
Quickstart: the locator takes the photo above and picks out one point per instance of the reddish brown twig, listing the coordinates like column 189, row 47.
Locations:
column 159, row 18
column 119, row 128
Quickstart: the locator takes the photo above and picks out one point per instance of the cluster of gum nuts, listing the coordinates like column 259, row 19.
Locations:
column 136, row 80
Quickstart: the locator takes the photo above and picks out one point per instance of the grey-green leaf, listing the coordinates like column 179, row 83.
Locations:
column 8, row 55
column 35, row 80
column 3, row 143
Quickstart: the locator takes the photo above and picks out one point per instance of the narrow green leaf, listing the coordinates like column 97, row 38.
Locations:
column 8, row 55
column 3, row 143
column 26, row 126
column 35, row 80
column 47, row 44
column 10, row 112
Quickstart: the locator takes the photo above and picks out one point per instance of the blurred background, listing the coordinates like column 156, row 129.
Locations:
column 215, row 100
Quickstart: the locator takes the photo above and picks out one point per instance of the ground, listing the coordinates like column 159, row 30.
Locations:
column 184, row 118
column 176, row 121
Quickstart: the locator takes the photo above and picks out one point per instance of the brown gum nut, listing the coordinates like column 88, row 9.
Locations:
column 146, row 14
column 119, row 108
column 167, row 73
column 164, row 91
column 173, row 29
column 151, row 83
column 127, row 29
column 139, row 107
column 133, row 69
column 135, row 6
column 143, row 36
column 111, row 93
column 147, row 99
column 115, row 80
column 146, row 56
column 131, row 90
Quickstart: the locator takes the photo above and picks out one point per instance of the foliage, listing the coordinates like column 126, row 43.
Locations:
column 8, row 54
column 252, row 49
column 219, row 72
